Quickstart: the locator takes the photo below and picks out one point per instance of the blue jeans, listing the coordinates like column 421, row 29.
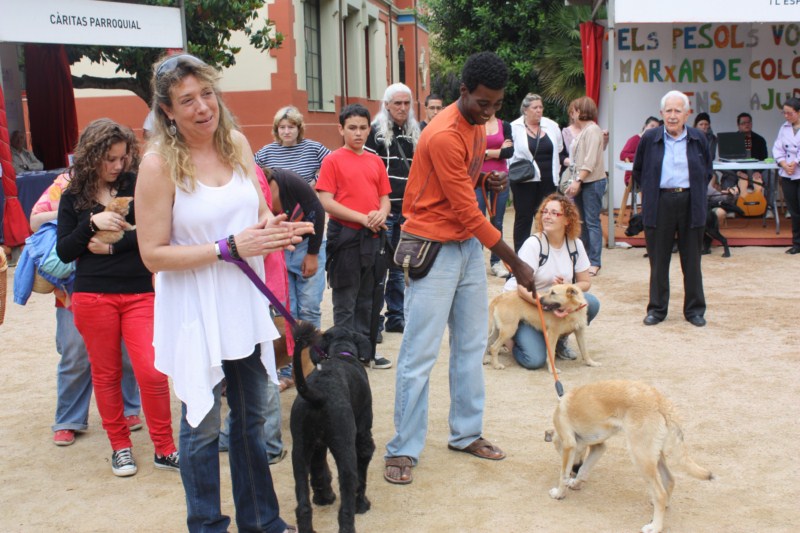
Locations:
column 253, row 493
column 272, row 426
column 305, row 294
column 530, row 350
column 497, row 219
column 453, row 294
column 74, row 378
column 590, row 202
column 395, row 282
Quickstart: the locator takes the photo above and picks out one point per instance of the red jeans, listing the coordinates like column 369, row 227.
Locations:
column 102, row 320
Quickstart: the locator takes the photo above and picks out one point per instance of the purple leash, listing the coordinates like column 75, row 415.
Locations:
column 261, row 286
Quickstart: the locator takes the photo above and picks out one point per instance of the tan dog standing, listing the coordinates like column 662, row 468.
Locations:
column 587, row 416
column 565, row 312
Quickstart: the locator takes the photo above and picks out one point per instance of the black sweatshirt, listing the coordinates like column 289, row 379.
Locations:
column 120, row 273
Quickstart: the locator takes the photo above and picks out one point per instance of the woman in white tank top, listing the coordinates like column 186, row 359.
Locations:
column 197, row 189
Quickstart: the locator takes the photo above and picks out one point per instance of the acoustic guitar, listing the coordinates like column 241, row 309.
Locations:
column 752, row 202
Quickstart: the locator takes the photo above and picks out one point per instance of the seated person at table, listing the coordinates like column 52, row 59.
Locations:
column 756, row 148
column 629, row 150
column 22, row 159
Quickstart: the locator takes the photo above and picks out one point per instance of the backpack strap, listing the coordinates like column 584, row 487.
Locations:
column 544, row 253
column 573, row 255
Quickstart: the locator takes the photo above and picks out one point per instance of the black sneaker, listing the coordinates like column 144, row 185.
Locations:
column 397, row 327
column 167, row 462
column 122, row 463
column 380, row 362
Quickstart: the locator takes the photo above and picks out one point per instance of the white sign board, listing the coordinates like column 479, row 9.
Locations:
column 90, row 22
column 648, row 11
column 725, row 69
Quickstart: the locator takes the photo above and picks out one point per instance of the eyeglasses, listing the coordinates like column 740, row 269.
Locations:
column 171, row 63
column 553, row 213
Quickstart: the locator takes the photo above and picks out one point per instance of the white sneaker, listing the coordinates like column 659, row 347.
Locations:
column 730, row 215
column 499, row 270
column 788, row 214
column 770, row 214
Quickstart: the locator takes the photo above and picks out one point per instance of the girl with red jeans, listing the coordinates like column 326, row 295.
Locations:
column 113, row 293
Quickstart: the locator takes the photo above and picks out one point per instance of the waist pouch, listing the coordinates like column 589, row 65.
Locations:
column 415, row 255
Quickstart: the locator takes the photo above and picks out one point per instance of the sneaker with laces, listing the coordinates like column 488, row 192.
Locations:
column 122, row 463
column 167, row 462
column 134, row 422
column 565, row 352
column 499, row 270
column 64, row 437
column 380, row 363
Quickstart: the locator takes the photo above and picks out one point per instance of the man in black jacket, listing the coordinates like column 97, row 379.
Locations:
column 672, row 166
column 393, row 137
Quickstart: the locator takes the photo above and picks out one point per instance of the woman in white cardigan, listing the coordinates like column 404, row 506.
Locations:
column 537, row 139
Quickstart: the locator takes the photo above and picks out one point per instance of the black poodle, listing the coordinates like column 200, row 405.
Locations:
column 333, row 410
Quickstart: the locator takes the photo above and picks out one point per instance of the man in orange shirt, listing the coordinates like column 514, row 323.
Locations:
column 440, row 205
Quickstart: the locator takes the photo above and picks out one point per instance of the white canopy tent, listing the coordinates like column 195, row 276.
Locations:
column 729, row 56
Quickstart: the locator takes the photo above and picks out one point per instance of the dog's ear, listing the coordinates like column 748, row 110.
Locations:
column 572, row 291
column 548, row 435
column 363, row 345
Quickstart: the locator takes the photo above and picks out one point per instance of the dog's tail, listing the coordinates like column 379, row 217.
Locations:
column 681, row 452
column 306, row 335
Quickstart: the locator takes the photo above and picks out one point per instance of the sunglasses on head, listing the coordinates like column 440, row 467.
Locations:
column 171, row 63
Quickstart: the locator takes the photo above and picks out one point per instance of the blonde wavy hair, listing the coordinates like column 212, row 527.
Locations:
column 93, row 146
column 570, row 210
column 168, row 72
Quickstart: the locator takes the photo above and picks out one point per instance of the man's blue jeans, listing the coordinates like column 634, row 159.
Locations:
column 253, row 493
column 305, row 294
column 395, row 282
column 74, row 378
column 500, row 211
column 530, row 350
column 452, row 295
column 590, row 203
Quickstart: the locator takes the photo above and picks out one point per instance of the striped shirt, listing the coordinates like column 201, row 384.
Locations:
column 304, row 158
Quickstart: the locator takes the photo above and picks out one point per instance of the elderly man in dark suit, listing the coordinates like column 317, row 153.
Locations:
column 672, row 166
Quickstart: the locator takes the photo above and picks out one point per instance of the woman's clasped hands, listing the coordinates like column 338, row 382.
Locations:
column 271, row 235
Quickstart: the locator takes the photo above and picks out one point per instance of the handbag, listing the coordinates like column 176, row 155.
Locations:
column 524, row 170
column 566, row 179
column 571, row 172
column 415, row 255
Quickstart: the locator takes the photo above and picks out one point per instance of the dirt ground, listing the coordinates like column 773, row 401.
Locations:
column 736, row 383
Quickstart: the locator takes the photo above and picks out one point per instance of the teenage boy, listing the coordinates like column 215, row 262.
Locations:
column 354, row 189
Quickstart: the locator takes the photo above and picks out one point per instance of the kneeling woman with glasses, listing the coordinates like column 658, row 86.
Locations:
column 559, row 226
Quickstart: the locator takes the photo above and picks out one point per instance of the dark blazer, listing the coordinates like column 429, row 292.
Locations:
column 647, row 173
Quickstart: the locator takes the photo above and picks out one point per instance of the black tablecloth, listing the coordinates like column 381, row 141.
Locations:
column 31, row 185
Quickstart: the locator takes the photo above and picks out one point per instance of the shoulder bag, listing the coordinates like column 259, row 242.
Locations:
column 523, row 170
column 571, row 172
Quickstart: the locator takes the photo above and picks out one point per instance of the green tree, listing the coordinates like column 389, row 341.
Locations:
column 538, row 39
column 209, row 26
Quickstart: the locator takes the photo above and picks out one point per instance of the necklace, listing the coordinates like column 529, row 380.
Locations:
column 530, row 130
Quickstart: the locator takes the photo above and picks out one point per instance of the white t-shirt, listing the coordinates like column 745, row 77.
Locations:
column 558, row 263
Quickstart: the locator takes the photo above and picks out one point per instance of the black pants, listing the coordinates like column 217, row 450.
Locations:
column 527, row 198
column 674, row 215
column 791, row 193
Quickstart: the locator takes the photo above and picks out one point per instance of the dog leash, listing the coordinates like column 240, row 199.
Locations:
column 550, row 353
column 262, row 287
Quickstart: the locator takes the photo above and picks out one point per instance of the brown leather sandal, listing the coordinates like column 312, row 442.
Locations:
column 483, row 449
column 398, row 470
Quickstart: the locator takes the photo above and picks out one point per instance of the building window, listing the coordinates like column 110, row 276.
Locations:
column 313, row 53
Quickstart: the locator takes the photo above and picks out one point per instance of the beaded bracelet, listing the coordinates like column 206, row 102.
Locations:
column 232, row 247
column 92, row 225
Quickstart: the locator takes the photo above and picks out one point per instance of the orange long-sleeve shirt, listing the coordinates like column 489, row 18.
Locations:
column 439, row 202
